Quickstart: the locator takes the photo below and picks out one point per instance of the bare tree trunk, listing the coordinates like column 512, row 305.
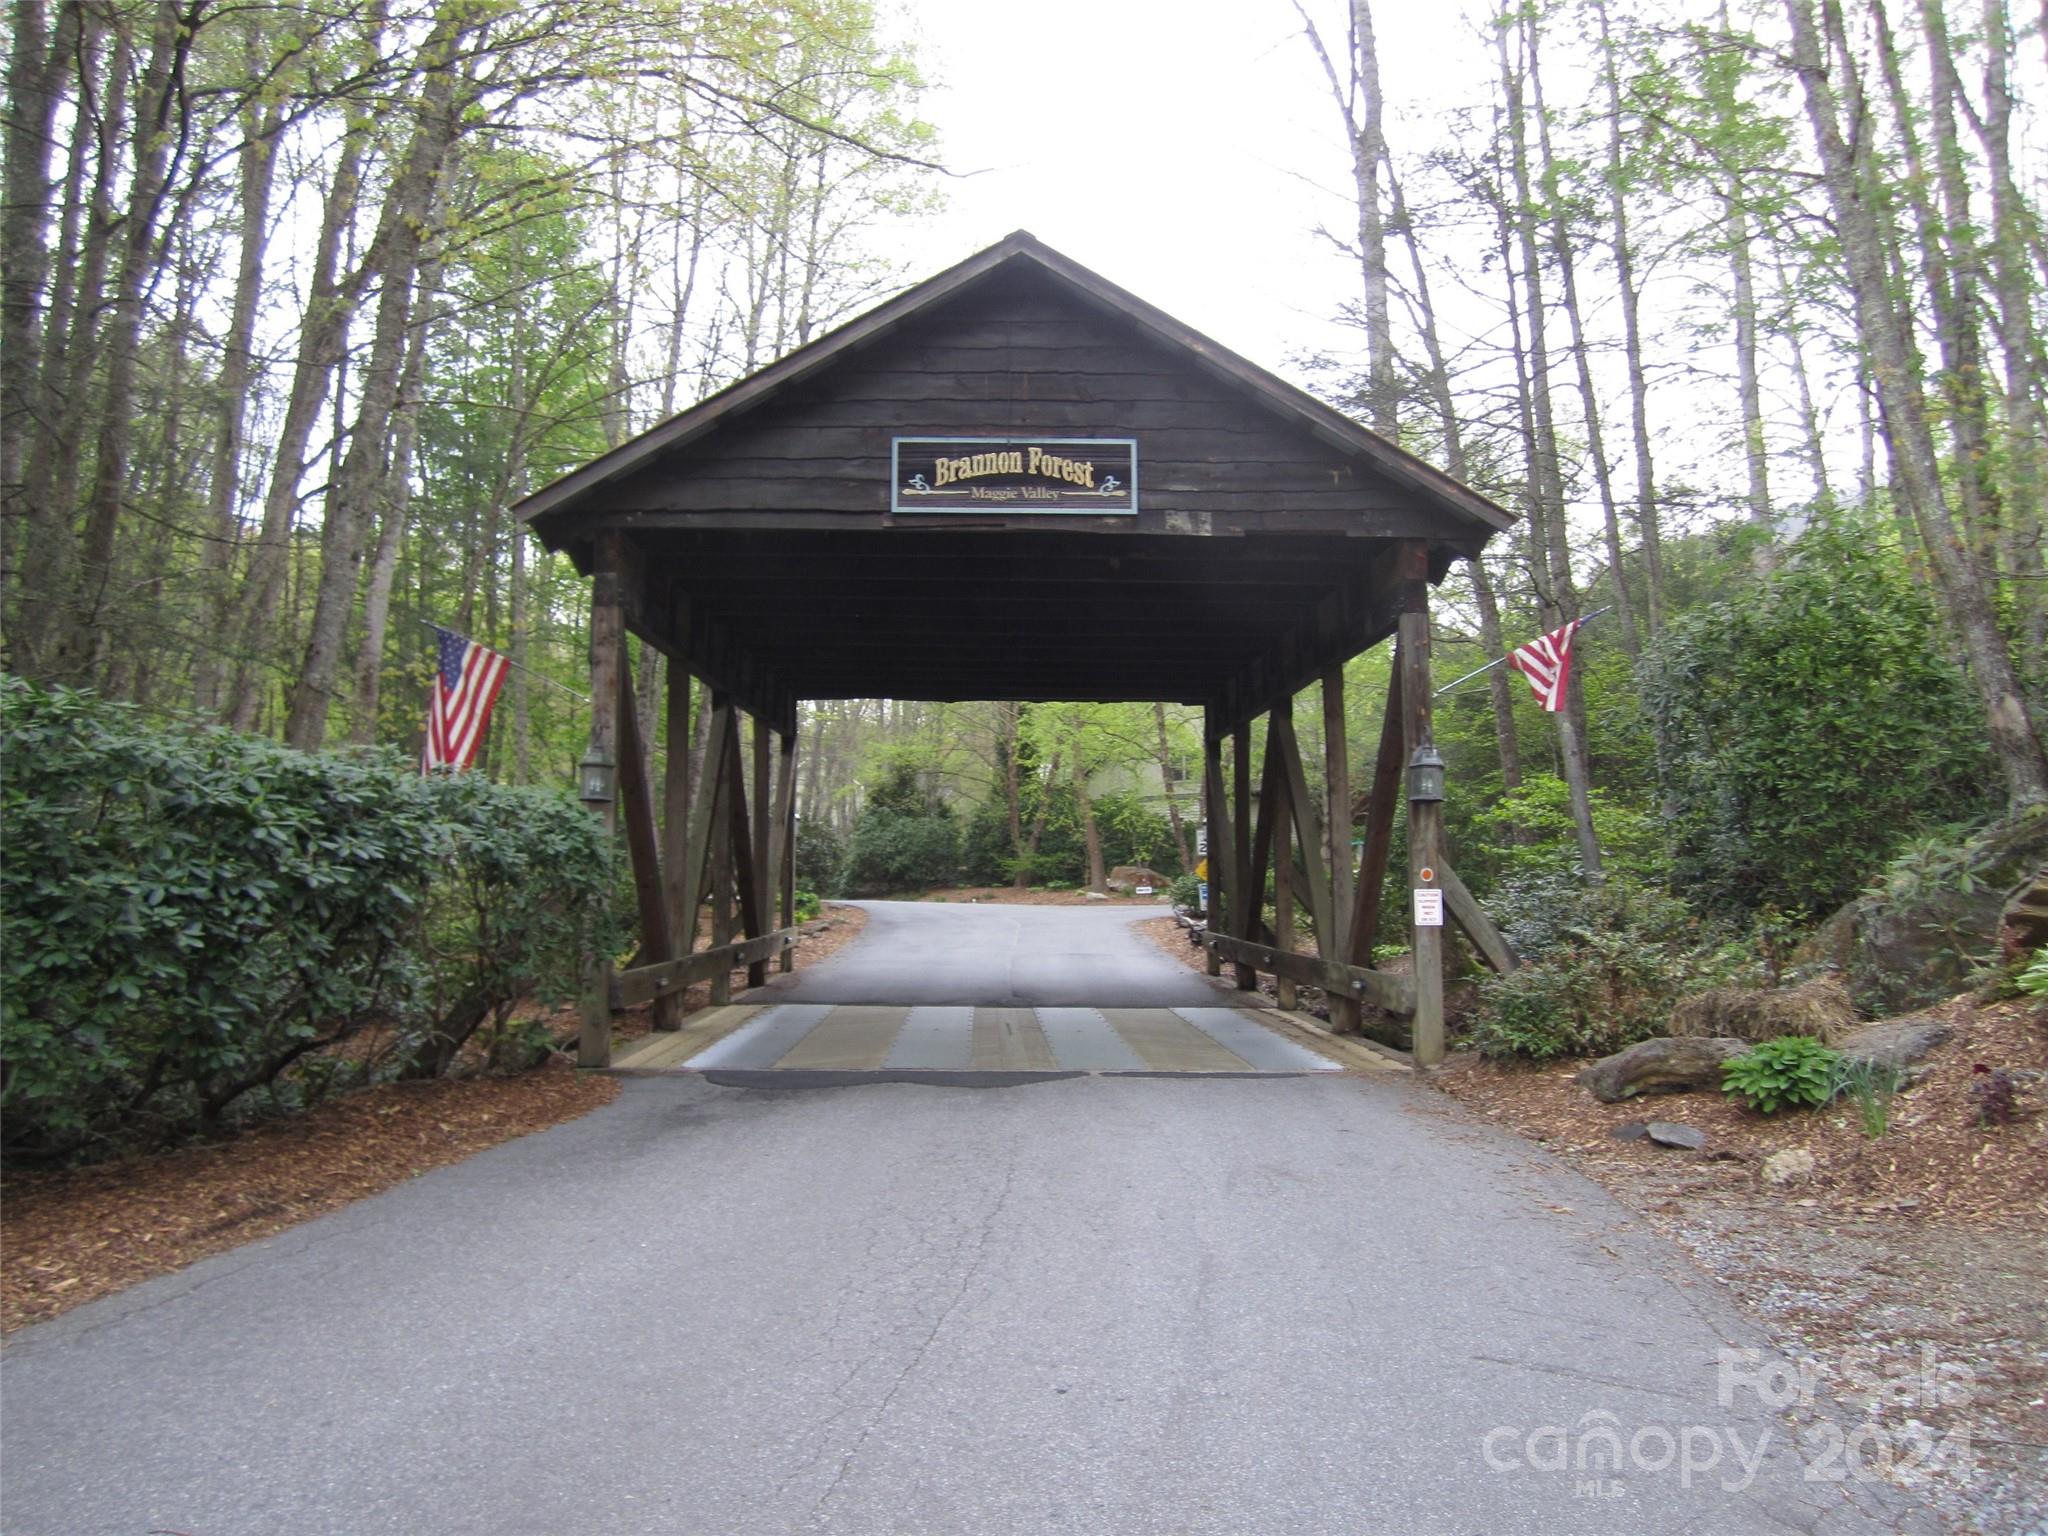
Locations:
column 1361, row 104
column 330, row 307
column 396, row 504
column 1438, row 384
column 2023, row 361
column 1556, row 592
column 1849, row 176
column 1091, row 834
column 1648, row 518
column 237, row 373
column 1589, row 398
column 395, row 255
column 158, row 100
column 48, row 556
column 35, row 72
column 1173, row 817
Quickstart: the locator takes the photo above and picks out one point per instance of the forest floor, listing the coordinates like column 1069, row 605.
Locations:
column 70, row 1236
column 1906, row 1274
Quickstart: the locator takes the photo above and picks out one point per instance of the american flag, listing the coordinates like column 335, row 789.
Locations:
column 1547, row 662
column 465, row 688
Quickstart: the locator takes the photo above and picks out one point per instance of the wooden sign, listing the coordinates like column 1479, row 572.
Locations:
column 1097, row 476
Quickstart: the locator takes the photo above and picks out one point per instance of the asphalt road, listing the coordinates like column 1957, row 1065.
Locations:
column 1317, row 1304
column 990, row 955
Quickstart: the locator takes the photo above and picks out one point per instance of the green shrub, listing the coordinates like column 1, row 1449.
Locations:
column 1601, row 968
column 817, row 855
column 1186, row 893
column 1792, row 1070
column 806, row 904
column 194, row 918
column 2033, row 980
column 1809, row 724
column 891, row 850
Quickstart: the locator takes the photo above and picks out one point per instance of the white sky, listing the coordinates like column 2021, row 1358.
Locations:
column 1171, row 147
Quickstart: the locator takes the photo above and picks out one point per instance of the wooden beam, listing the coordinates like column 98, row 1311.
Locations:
column 1272, row 803
column 1425, row 817
column 1344, row 1018
column 1379, row 831
column 1491, row 943
column 666, row 981
column 1391, row 994
column 1242, row 915
column 745, row 870
column 721, row 842
column 675, row 815
column 706, row 810
column 1217, row 822
column 765, row 866
column 785, row 842
column 636, row 802
column 1308, row 826
column 1283, row 876
column 607, row 632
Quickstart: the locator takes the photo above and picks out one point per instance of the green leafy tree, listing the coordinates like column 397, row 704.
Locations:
column 1807, row 725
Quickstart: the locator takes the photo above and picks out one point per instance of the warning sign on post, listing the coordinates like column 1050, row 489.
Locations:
column 1429, row 907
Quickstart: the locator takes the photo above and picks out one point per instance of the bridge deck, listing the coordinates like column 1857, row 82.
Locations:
column 832, row 1037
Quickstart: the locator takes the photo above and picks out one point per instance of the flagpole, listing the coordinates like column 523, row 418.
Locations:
column 1481, row 671
column 581, row 698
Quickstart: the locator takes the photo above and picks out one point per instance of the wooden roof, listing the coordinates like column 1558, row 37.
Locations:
column 763, row 548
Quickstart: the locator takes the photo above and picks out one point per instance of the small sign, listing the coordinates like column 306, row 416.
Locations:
column 1202, row 841
column 1426, row 875
column 1429, row 907
column 1141, row 890
column 1011, row 475
column 1205, row 895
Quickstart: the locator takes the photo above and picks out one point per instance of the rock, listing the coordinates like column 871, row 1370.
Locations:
column 1668, row 1133
column 1791, row 1165
column 1128, row 877
column 1635, row 1130
column 1905, row 948
column 1689, row 1065
column 1895, row 1043
column 1097, row 896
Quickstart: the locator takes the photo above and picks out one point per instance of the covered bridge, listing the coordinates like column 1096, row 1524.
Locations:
column 1018, row 481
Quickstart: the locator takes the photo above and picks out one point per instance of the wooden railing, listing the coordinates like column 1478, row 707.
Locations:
column 666, row 978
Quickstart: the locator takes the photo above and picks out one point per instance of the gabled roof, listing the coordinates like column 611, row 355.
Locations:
column 550, row 506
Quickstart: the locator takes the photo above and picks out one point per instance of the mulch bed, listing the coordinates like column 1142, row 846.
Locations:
column 1934, row 1163
column 74, row 1235
column 71, row 1236
column 1928, row 1244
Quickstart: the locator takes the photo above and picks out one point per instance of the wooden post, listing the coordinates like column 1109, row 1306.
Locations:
column 1344, row 1011
column 1379, row 830
column 1425, row 817
column 707, row 811
column 1242, row 879
column 675, row 815
column 1301, row 810
column 1220, row 838
column 607, row 632
column 766, row 866
column 1284, row 992
column 721, row 840
column 636, row 803
column 785, row 842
